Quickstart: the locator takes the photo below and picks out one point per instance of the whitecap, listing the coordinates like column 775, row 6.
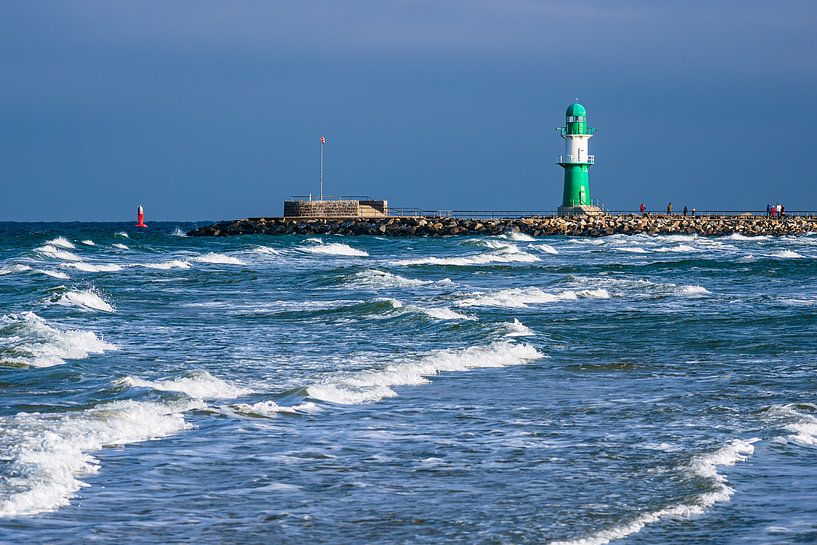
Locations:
column 177, row 232
column 633, row 250
column 27, row 339
column 504, row 254
column 368, row 386
column 314, row 240
column 84, row 299
column 547, row 248
column 522, row 297
column 681, row 248
column 271, row 408
column 12, row 269
column 441, row 313
column 46, row 454
column 518, row 236
column 89, row 242
column 90, row 267
column 335, row 248
column 52, row 252
column 219, row 259
column 122, row 234
column 694, row 290
column 166, row 265
column 61, row 242
column 786, row 254
column 372, row 278
column 702, row 467
column 199, row 385
column 266, row 250
column 120, row 246
column 53, row 274
column 517, row 329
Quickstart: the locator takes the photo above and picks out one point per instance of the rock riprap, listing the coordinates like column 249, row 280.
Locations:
column 592, row 226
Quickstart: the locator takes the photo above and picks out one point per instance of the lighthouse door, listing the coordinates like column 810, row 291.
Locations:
column 581, row 196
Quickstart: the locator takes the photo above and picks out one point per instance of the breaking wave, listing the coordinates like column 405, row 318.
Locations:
column 90, row 267
column 89, row 242
column 799, row 420
column 505, row 253
column 177, row 232
column 85, row 299
column 12, row 269
column 694, row 290
column 547, row 248
column 271, row 408
column 517, row 329
column 27, row 339
column 522, row 297
column 61, row 242
column 120, row 246
column 518, row 237
column 47, row 454
column 334, row 248
column 219, row 259
column 704, row 467
column 166, row 265
column 51, row 251
column 786, row 254
column 121, row 234
column 372, row 278
column 368, row 386
column 199, row 385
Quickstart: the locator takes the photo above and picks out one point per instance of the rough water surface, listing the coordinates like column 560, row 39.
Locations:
column 496, row 389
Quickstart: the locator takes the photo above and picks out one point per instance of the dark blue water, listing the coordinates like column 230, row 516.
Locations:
column 158, row 388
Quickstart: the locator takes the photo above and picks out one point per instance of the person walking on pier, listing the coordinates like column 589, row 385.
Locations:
column 685, row 210
column 642, row 208
column 768, row 209
column 669, row 208
column 693, row 211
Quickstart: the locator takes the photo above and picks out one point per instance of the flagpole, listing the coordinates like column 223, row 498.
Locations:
column 322, row 140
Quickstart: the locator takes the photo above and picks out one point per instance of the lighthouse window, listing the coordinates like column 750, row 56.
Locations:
column 570, row 119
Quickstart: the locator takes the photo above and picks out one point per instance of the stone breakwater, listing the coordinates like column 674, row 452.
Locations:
column 592, row 226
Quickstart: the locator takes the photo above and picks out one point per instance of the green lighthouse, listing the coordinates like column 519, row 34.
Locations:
column 576, row 161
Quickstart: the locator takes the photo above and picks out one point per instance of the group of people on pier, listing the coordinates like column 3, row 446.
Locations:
column 686, row 212
column 775, row 210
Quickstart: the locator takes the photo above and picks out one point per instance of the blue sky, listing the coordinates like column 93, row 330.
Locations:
column 213, row 110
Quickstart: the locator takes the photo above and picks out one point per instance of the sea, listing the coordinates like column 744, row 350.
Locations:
column 160, row 388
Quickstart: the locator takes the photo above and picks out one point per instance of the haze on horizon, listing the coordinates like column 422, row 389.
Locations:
column 211, row 110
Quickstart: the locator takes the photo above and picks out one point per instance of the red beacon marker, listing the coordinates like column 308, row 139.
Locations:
column 140, row 215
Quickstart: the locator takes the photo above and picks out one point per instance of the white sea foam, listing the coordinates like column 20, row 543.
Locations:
column 518, row 237
column 120, row 246
column 219, row 259
column 314, row 240
column 506, row 253
column 633, row 250
column 681, row 248
column 694, row 290
column 368, row 386
column 786, row 254
column 738, row 236
column 518, row 329
column 522, row 297
column 91, row 267
column 45, row 455
column 51, row 251
column 121, row 234
column 334, row 248
column 800, row 420
column 199, row 385
column 266, row 250
column 16, row 268
column 271, row 408
column 52, row 274
column 85, row 299
column 27, row 339
column 547, row 248
column 441, row 313
column 702, row 467
column 89, row 242
column 372, row 278
column 61, row 242
column 177, row 232
column 166, row 265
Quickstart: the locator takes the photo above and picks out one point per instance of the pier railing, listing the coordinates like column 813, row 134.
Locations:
column 515, row 214
column 577, row 159
column 311, row 197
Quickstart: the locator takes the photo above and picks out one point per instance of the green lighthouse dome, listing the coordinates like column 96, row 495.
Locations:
column 576, row 110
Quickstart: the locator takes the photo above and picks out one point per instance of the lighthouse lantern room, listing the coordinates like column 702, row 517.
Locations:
column 576, row 162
